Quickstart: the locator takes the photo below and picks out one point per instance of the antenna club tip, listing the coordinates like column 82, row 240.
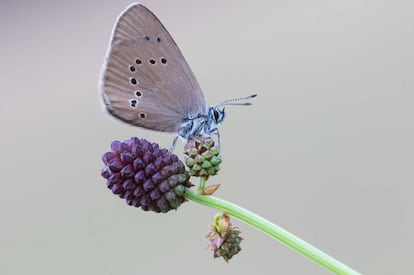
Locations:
column 253, row 95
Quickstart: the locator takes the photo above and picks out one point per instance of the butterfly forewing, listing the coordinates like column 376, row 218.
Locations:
column 146, row 80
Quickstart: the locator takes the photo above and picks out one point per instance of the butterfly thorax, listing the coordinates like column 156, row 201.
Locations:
column 202, row 124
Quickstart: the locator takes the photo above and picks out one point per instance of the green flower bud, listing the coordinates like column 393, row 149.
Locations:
column 202, row 156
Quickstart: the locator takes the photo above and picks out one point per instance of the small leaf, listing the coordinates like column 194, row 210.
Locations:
column 209, row 190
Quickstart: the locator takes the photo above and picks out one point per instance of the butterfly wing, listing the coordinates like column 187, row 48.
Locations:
column 146, row 81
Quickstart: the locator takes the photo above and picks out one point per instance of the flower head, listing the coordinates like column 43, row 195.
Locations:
column 224, row 238
column 202, row 156
column 145, row 175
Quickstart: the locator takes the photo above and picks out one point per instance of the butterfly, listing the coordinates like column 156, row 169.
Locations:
column 146, row 81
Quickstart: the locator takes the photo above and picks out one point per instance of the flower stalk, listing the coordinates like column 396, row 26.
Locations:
column 272, row 230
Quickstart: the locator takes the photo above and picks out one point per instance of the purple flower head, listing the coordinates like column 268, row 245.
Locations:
column 145, row 175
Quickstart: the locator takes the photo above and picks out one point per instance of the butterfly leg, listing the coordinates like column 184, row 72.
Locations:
column 218, row 139
column 173, row 144
column 216, row 132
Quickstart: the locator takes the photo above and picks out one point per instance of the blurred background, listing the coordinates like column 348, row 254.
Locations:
column 326, row 151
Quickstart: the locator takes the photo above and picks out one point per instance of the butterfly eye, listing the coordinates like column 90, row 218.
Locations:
column 216, row 115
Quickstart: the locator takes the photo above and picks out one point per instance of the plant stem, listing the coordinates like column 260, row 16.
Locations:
column 202, row 185
column 273, row 230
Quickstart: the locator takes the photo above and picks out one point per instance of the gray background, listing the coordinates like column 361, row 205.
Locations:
column 326, row 151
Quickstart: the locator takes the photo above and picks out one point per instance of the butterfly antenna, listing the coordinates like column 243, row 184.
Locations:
column 235, row 101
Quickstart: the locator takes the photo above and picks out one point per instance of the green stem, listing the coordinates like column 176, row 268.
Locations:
column 202, row 185
column 273, row 230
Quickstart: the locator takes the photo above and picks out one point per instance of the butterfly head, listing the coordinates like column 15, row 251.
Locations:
column 215, row 116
